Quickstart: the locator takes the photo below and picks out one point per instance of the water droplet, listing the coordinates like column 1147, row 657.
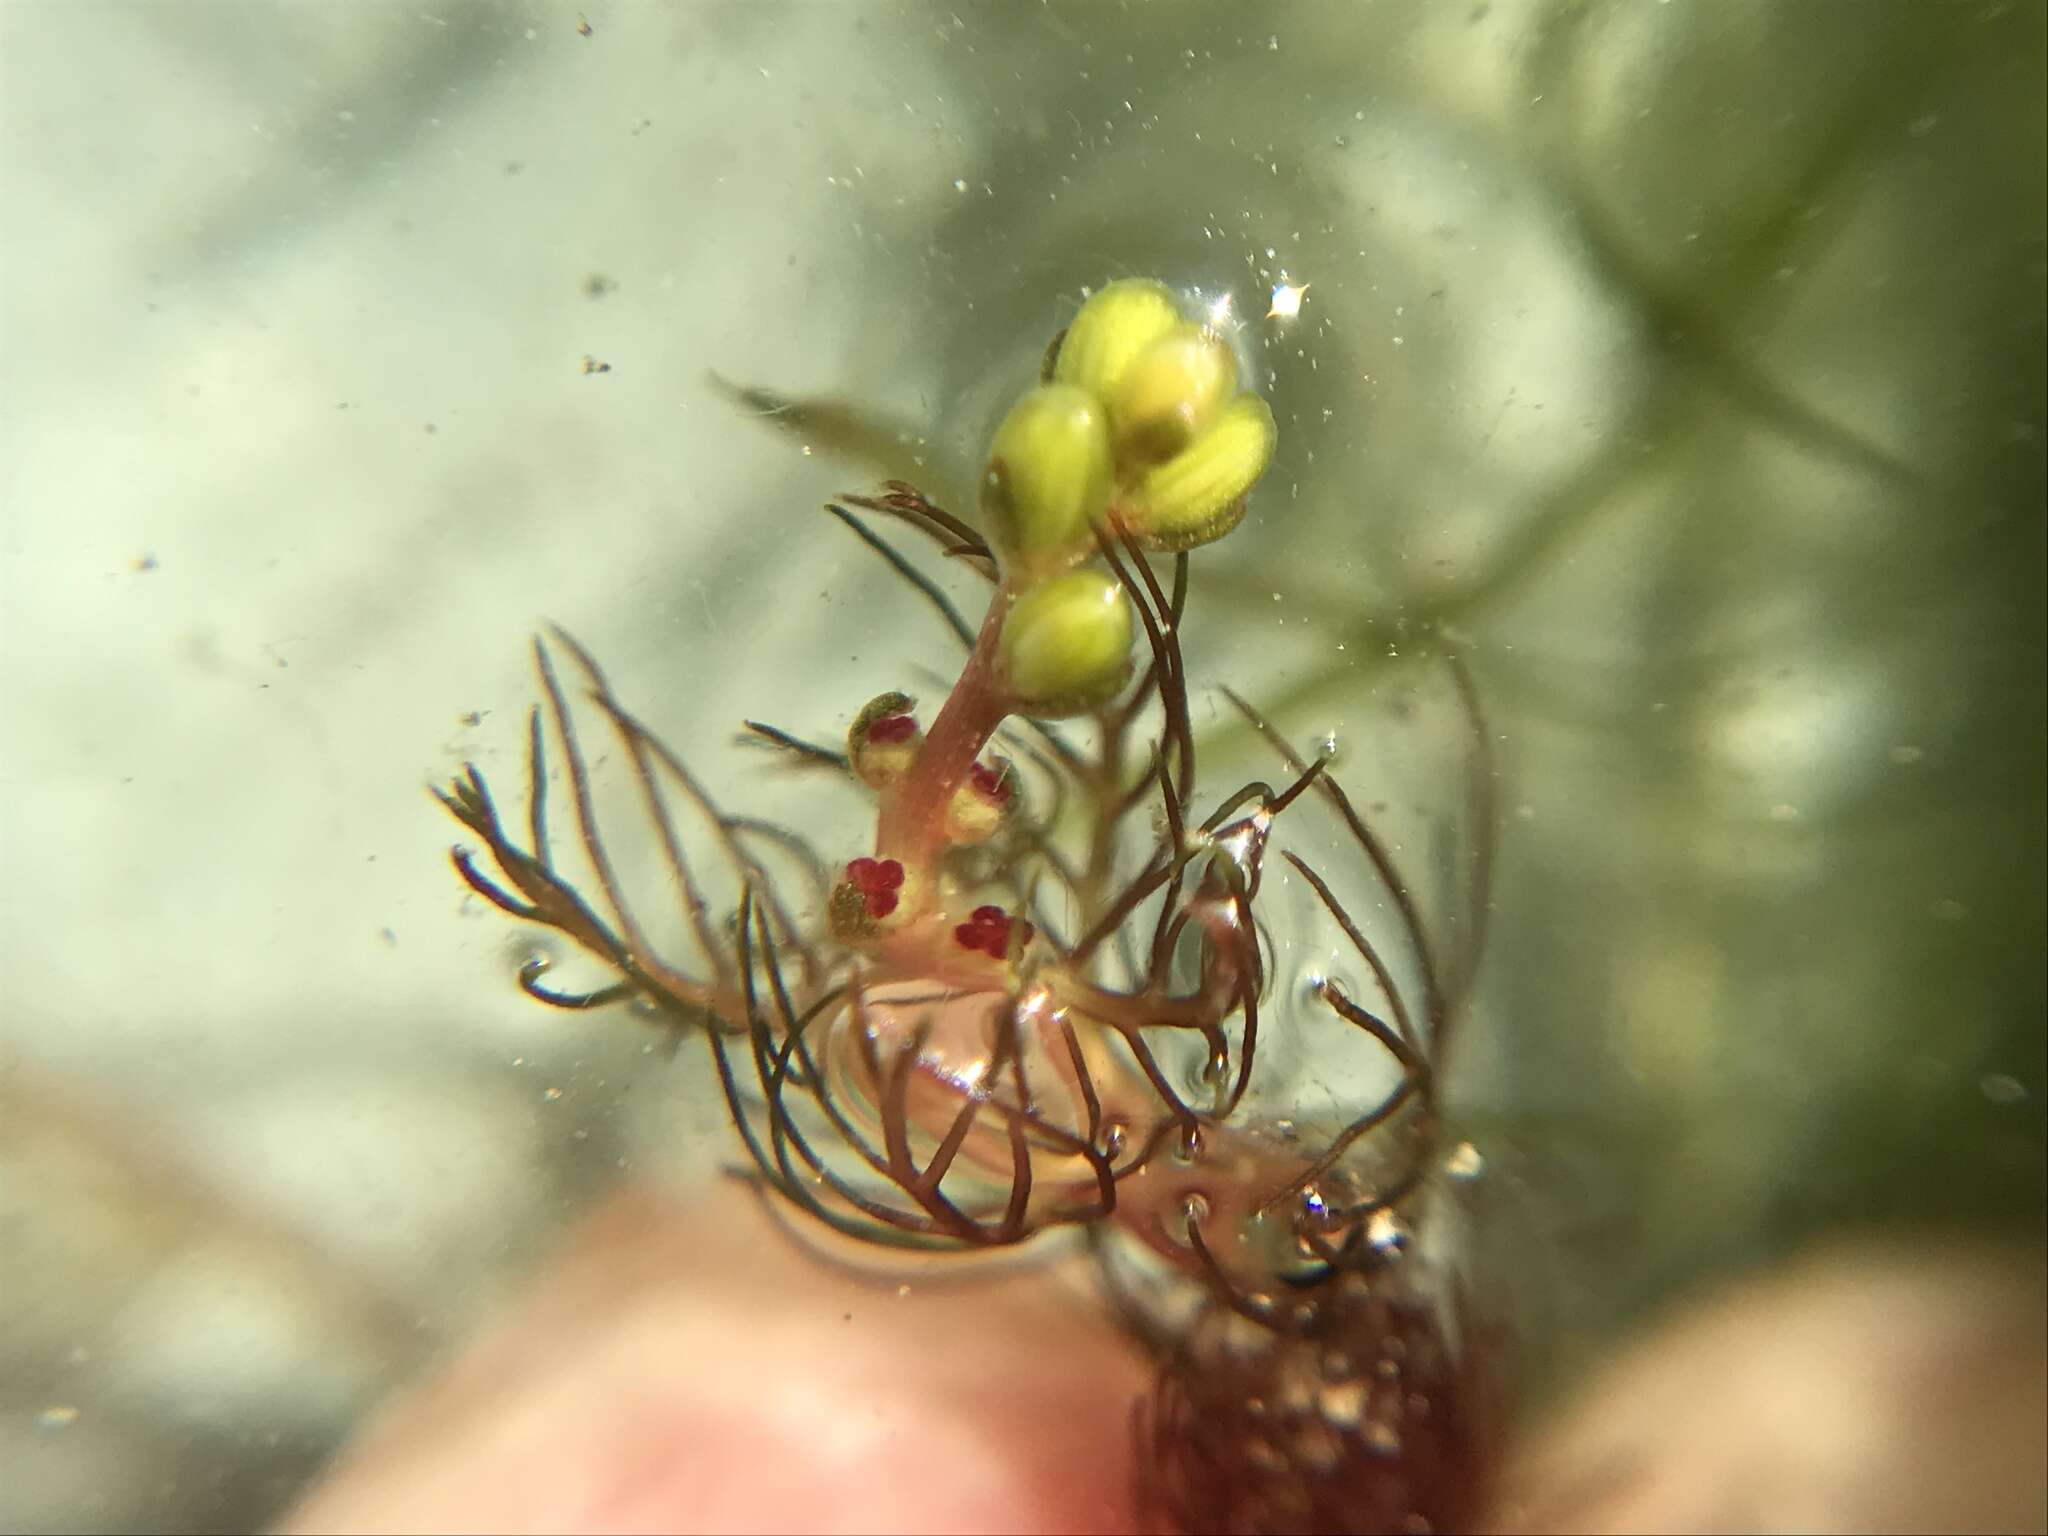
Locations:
column 959, row 184
column 549, row 1095
column 1381, row 1437
column 57, row 1416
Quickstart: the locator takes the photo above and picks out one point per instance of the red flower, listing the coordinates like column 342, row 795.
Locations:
column 987, row 930
column 878, row 881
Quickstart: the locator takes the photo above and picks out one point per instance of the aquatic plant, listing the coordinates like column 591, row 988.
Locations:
column 1031, row 996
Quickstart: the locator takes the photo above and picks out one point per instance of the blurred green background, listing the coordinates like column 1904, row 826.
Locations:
column 1682, row 363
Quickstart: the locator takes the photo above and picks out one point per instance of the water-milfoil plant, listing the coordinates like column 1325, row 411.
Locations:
column 1028, row 995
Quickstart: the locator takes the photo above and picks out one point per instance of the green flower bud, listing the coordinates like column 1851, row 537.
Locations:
column 1066, row 645
column 1170, row 393
column 1048, row 472
column 1113, row 327
column 1198, row 495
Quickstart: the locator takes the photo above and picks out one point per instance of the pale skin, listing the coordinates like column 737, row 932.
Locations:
column 702, row 1366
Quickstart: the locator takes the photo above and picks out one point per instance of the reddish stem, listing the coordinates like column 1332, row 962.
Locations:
column 913, row 819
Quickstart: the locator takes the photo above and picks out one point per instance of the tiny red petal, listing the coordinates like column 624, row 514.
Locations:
column 892, row 728
column 987, row 931
column 878, row 881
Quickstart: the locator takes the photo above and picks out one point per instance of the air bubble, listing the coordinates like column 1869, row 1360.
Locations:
column 1381, row 1437
column 1342, row 1405
column 1260, row 1453
column 1388, row 1233
column 1318, row 1449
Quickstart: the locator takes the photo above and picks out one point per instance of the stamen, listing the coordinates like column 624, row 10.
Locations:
column 988, row 931
column 879, row 882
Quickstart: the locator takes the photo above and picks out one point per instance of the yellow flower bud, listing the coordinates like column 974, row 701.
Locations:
column 1048, row 472
column 884, row 740
column 1066, row 645
column 1113, row 327
column 1198, row 495
column 1170, row 393
column 982, row 804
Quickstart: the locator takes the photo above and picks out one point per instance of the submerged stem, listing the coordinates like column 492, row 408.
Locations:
column 911, row 828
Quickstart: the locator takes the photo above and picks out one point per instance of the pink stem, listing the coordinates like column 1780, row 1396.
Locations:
column 913, row 819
